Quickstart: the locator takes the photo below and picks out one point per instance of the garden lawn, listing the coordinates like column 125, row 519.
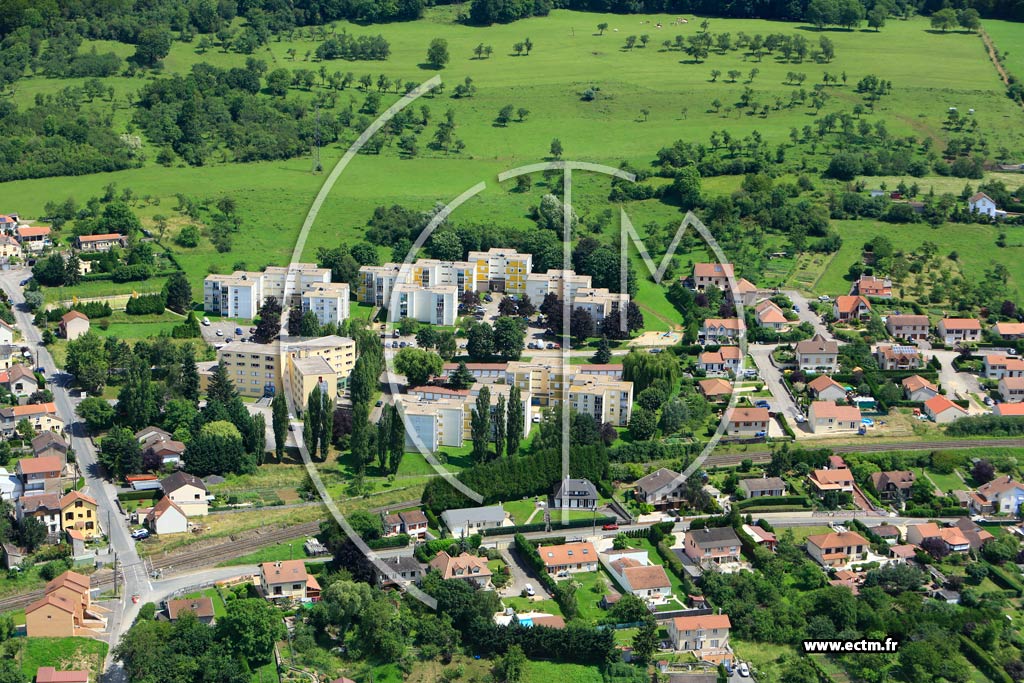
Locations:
column 946, row 482
column 587, row 595
column 219, row 609
column 62, row 653
column 286, row 550
column 800, row 533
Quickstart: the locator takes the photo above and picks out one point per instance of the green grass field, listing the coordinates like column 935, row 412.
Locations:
column 61, row 653
column 568, row 58
column 219, row 609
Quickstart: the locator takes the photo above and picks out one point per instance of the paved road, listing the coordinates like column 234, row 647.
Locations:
column 111, row 521
column 962, row 383
column 807, row 315
column 781, row 401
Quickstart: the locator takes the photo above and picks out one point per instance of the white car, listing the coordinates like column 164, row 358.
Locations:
column 744, row 670
column 220, row 333
column 528, row 588
column 206, row 322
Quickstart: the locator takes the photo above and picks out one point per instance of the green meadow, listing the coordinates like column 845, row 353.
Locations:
column 568, row 57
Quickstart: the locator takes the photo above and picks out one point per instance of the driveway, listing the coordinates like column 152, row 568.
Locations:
column 781, row 402
column 807, row 315
column 520, row 576
column 957, row 384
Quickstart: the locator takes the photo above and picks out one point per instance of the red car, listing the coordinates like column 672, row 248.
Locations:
column 610, row 527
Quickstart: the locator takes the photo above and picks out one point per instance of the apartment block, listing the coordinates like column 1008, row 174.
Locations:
column 241, row 294
column 607, row 399
column 329, row 302
column 444, row 418
column 437, row 305
column 502, row 270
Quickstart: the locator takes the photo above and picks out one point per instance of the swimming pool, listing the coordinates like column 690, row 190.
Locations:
column 526, row 621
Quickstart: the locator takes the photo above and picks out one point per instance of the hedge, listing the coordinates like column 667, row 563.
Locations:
column 528, row 552
column 785, row 426
column 541, row 526
column 425, row 551
column 139, row 495
column 981, row 659
column 771, row 501
column 930, row 512
column 399, row 541
column 1005, row 580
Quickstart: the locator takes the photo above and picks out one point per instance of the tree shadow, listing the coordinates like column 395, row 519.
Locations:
column 426, row 66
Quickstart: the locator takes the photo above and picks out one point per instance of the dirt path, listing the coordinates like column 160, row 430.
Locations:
column 994, row 57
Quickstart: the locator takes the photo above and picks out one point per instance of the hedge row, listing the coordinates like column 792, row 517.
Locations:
column 1003, row 579
column 930, row 512
column 139, row 495
column 981, row 659
column 541, row 526
column 772, row 501
column 399, row 541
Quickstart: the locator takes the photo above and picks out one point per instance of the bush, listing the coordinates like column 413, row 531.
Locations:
column 51, row 570
column 399, row 541
column 147, row 304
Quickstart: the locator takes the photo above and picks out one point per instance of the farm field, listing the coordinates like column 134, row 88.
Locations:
column 273, row 197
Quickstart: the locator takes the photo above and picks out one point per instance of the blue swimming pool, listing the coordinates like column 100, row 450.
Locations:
column 526, row 621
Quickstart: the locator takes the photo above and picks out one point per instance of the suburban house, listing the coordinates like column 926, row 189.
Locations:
column 980, row 202
column 1009, row 331
column 908, row 326
column 104, row 242
column 761, row 536
column 826, row 416
column 569, row 558
column 898, row 357
column 43, row 506
column 720, row 329
column 410, row 522
column 942, row 410
column 887, row 532
column 749, row 422
column 824, row 388
column 66, row 610
column 951, row 536
column 49, row 443
column 836, row 549
column 817, row 354
column 465, row 567
column 42, row 417
column 831, row 480
column 6, row 332
column 714, row 388
column 73, row 325
column 404, row 570
column 79, row 512
column 1002, row 494
column 725, row 359
column 716, row 274
column 188, row 492
column 917, row 388
column 893, row 486
column 1011, row 389
column 633, row 571
column 575, row 493
column 956, row 330
column 719, row 545
column 287, row 579
column 202, row 608
column 661, row 488
column 758, row 487
column 32, row 237
column 998, row 366
column 47, row 674
column 41, row 474
column 19, row 380
column 770, row 316
column 158, row 444
column 706, row 636
column 871, row 286
column 1008, row 409
column 167, row 517
column 9, row 248
column 464, row 522
column 851, row 307
column 975, row 535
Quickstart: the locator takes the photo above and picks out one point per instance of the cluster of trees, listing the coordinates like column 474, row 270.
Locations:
column 504, row 339
column 210, row 107
column 363, row 48
column 187, row 649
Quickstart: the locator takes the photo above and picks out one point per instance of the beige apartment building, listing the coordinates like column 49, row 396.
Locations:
column 607, row 399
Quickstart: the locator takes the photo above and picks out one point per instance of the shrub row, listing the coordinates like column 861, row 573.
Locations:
column 1004, row 579
column 138, row 495
column 981, row 659
column 772, row 501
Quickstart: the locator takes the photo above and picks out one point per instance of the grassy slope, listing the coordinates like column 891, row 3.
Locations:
column 568, row 58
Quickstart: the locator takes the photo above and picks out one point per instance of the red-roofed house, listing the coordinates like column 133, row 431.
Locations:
column 1011, row 389
column 714, row 388
column 1008, row 409
column 831, row 480
column 869, row 285
column 824, row 388
column 285, row 579
column 41, row 474
column 851, row 307
column 917, row 388
column 826, row 416
column 79, row 512
column 33, row 237
column 73, row 325
column 42, row 417
column 706, row 636
column 716, row 274
column 47, row 674
column 770, row 316
column 956, row 330
column 104, row 242
column 748, row 422
column 998, row 366
column 167, row 517
column 1009, row 331
column 942, row 410
column 19, row 380
column 952, row 536
column 836, row 549
column 720, row 329
column 725, row 359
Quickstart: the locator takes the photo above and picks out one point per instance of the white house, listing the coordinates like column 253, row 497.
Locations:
column 955, row 330
column 6, row 332
column 942, row 410
column 1003, row 494
column 167, row 517
column 982, row 203
column 633, row 571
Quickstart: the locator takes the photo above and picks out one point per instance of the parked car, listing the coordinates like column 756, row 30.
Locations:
column 238, row 331
column 529, row 590
column 610, row 527
column 140, row 534
column 536, row 419
column 206, row 322
column 796, row 308
column 824, row 297
column 761, row 434
column 762, row 404
column 744, row 670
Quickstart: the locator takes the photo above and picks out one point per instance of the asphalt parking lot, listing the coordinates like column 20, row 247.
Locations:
column 228, row 332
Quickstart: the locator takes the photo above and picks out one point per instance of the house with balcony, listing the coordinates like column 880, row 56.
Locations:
column 464, row 567
column 1002, row 495
column 706, row 636
column 849, row 307
column 718, row 545
column 998, row 366
column 952, row 537
column 717, row 330
column 817, row 354
column 893, row 486
column 836, row 549
column 825, row 481
column 726, row 359
column 898, row 357
column 871, row 286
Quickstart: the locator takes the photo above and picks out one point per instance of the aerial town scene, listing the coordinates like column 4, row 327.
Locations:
column 511, row 341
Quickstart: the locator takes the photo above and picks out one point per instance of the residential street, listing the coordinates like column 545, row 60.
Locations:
column 111, row 521
column 807, row 315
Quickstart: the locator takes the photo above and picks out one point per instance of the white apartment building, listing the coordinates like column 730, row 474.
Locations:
column 241, row 294
column 329, row 302
column 438, row 304
column 562, row 283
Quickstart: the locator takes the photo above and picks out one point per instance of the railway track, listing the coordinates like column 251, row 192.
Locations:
column 175, row 563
